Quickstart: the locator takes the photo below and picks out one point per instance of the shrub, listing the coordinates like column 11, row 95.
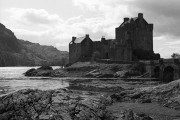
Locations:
column 138, row 67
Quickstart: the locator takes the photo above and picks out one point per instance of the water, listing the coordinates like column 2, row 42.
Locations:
column 12, row 79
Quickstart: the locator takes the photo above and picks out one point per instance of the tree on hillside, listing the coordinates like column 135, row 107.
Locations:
column 175, row 55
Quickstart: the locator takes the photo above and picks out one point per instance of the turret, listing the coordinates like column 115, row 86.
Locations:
column 126, row 19
column 140, row 15
column 73, row 39
column 150, row 26
column 87, row 35
column 103, row 39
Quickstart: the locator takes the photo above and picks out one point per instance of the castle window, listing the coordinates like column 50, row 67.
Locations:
column 123, row 53
column 144, row 38
column 127, row 35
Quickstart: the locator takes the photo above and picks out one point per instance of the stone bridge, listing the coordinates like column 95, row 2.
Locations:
column 164, row 69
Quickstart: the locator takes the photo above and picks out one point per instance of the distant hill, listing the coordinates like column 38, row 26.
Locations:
column 15, row 52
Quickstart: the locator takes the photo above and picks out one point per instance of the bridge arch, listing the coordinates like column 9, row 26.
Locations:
column 168, row 74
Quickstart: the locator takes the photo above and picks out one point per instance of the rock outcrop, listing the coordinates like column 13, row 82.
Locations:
column 167, row 95
column 97, row 70
column 42, row 71
column 52, row 105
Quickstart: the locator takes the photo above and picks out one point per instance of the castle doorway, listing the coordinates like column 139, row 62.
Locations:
column 107, row 56
column 168, row 74
column 157, row 72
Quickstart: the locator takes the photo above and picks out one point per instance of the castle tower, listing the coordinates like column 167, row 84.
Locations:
column 134, row 34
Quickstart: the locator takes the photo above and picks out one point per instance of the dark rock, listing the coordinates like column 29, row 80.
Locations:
column 45, row 68
column 92, row 74
column 45, row 73
column 106, row 75
column 135, row 95
column 30, row 72
column 146, row 100
column 131, row 115
column 2, row 107
column 5, row 116
column 42, row 71
column 60, row 104
column 116, row 97
column 121, row 74
column 147, row 118
column 144, row 116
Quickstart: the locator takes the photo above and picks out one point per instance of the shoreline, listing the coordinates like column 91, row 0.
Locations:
column 133, row 93
column 92, row 70
column 107, row 98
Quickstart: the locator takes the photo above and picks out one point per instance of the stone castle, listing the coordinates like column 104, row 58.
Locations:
column 133, row 41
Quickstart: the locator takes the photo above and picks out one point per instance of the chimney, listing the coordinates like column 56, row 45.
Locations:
column 73, row 39
column 87, row 35
column 140, row 15
column 126, row 19
column 103, row 38
column 150, row 26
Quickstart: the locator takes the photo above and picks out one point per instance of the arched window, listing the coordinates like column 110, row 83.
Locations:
column 168, row 74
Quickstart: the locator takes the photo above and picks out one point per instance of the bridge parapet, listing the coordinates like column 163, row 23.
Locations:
column 163, row 69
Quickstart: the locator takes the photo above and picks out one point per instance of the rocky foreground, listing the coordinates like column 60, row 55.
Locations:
column 116, row 98
column 53, row 105
column 96, row 99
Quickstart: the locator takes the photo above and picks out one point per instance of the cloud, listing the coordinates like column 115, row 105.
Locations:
column 37, row 25
column 163, row 14
column 40, row 23
column 34, row 16
column 109, row 14
column 166, row 45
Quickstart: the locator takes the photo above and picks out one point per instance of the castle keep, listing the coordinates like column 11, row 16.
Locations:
column 133, row 41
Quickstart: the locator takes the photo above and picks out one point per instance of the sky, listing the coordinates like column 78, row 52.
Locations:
column 54, row 22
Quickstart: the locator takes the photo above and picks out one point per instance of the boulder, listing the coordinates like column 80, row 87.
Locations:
column 121, row 74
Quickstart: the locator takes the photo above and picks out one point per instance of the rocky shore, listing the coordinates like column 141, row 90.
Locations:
column 59, row 104
column 91, row 70
column 95, row 98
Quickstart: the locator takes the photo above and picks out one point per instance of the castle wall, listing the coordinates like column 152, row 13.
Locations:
column 142, row 38
column 137, row 34
column 121, row 53
column 75, row 52
column 105, row 48
column 104, row 51
column 87, row 46
column 96, row 46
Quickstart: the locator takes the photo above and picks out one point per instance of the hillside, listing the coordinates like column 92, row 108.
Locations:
column 15, row 52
